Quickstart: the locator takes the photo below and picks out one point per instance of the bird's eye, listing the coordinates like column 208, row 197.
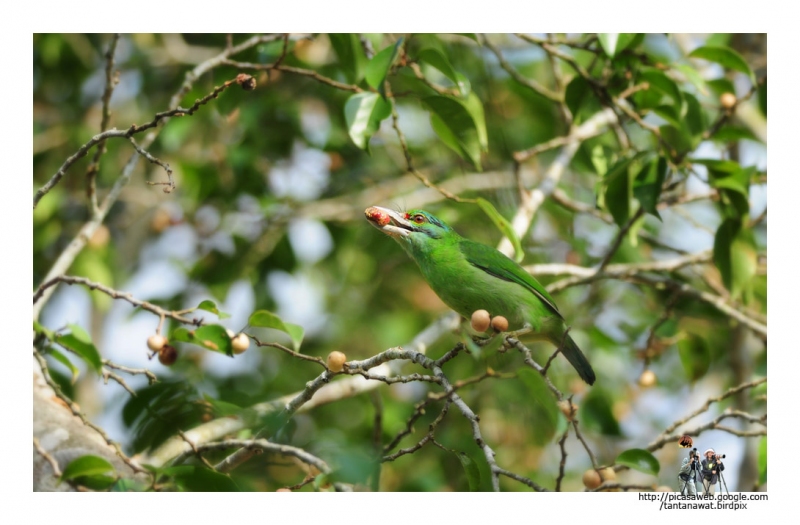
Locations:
column 419, row 218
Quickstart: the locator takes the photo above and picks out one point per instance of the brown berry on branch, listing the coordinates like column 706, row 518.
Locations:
column 480, row 320
column 167, row 355
column 336, row 361
column 591, row 479
column 247, row 82
column 500, row 323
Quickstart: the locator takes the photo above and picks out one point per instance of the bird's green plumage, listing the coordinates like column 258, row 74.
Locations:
column 469, row 276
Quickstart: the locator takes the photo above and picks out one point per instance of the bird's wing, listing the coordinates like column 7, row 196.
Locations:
column 498, row 265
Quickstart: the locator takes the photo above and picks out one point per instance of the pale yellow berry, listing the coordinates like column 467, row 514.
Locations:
column 480, row 320
column 647, row 379
column 500, row 323
column 336, row 361
column 664, row 488
column 591, row 479
column 156, row 342
column 727, row 100
column 240, row 343
column 567, row 408
column 608, row 474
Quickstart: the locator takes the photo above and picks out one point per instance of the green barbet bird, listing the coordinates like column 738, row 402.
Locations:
column 470, row 276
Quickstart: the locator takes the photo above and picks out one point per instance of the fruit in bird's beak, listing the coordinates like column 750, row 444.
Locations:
column 377, row 215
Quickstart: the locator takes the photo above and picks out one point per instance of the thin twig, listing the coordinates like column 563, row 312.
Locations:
column 528, row 83
column 50, row 459
column 111, row 82
column 145, row 305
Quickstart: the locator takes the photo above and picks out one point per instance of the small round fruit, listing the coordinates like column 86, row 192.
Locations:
column 230, row 333
column 156, row 342
column 283, row 489
column 100, row 237
column 480, row 320
column 664, row 488
column 567, row 408
column 336, row 361
column 727, row 100
column 591, row 479
column 240, row 343
column 647, row 379
column 167, row 355
column 608, row 474
column 500, row 323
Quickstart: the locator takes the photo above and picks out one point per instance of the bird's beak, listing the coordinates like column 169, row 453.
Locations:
column 389, row 221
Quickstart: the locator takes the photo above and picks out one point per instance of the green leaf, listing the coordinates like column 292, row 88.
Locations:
column 504, row 226
column 718, row 86
column 64, row 360
column 377, row 68
column 735, row 256
column 726, row 57
column 39, row 329
column 762, row 460
column 212, row 337
column 695, row 118
column 695, row 356
column 266, row 319
column 455, row 122
column 762, row 98
column 648, row 183
column 86, row 466
column 475, row 108
column 619, row 191
column 363, row 113
column 351, row 54
column 581, row 99
column 659, row 81
column 639, row 459
column 613, row 43
column 463, row 83
column 211, row 306
column 199, row 479
column 731, row 133
column 679, row 139
column 471, row 36
column 546, row 416
column 597, row 413
column 79, row 342
column 693, row 76
column 471, row 469
column 437, row 59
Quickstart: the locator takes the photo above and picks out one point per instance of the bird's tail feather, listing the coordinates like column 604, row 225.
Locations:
column 578, row 360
